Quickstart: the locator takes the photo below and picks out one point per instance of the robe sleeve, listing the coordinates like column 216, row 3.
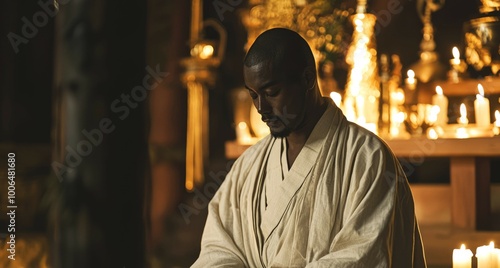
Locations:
column 218, row 247
column 379, row 218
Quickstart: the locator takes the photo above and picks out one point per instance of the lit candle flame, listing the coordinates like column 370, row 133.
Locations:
column 411, row 81
column 462, row 247
column 439, row 90
column 497, row 118
column 463, row 115
column 480, row 89
column 411, row 74
column 492, row 244
column 456, row 53
column 432, row 134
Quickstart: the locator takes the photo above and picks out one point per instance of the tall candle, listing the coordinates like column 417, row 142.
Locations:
column 482, row 109
column 442, row 102
column 411, row 88
column 487, row 256
column 462, row 258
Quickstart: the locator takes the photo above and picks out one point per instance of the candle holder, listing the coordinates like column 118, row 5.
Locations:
column 419, row 118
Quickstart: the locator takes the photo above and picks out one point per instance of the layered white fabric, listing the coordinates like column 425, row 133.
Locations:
column 345, row 202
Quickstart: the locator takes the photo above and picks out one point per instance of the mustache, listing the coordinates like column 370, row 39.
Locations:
column 269, row 117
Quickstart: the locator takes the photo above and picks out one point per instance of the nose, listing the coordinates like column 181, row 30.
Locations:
column 262, row 105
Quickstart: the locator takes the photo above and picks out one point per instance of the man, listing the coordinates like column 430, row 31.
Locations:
column 319, row 191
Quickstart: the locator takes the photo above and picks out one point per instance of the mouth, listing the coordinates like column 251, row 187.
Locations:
column 269, row 118
column 271, row 121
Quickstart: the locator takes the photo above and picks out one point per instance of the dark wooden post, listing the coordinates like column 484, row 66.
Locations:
column 101, row 142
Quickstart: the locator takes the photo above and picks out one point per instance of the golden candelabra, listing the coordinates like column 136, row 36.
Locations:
column 428, row 68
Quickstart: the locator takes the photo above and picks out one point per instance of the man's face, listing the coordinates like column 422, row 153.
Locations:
column 279, row 97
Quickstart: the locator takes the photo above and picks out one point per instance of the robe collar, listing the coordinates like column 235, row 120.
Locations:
column 295, row 178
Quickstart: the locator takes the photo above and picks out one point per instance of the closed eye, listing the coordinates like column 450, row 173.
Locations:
column 273, row 92
column 253, row 95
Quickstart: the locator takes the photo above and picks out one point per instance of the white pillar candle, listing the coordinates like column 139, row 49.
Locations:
column 486, row 256
column 442, row 102
column 462, row 258
column 482, row 109
column 496, row 257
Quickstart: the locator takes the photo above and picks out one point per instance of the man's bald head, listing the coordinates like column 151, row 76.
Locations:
column 283, row 49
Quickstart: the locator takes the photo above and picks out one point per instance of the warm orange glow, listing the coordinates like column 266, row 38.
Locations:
column 480, row 89
column 463, row 115
column 336, row 97
column 411, row 74
column 439, row 90
column 463, row 110
column 456, row 53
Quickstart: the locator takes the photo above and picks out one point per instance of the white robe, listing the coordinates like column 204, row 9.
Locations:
column 345, row 202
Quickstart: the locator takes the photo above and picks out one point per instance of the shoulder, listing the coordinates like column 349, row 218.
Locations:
column 249, row 156
column 363, row 140
column 248, row 160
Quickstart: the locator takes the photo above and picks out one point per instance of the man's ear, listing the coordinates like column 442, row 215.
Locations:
column 309, row 77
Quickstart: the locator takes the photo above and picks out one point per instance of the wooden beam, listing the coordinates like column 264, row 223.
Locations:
column 470, row 186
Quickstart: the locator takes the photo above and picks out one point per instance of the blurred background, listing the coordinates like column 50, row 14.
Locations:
column 111, row 168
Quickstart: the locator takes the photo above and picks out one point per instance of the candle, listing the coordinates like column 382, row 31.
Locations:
column 456, row 56
column 411, row 89
column 432, row 114
column 482, row 109
column 442, row 102
column 411, row 82
column 462, row 258
column 432, row 134
column 487, row 256
column 463, row 115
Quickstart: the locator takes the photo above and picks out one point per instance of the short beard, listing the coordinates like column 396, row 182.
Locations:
column 282, row 134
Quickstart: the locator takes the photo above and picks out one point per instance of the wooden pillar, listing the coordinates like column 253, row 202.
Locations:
column 470, row 186
column 101, row 147
column 168, row 35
